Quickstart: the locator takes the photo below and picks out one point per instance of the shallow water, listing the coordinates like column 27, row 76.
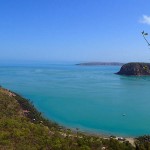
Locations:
column 93, row 99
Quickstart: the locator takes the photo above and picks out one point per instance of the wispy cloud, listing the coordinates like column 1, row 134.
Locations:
column 145, row 19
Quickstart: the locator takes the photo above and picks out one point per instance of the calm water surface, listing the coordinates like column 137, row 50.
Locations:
column 92, row 99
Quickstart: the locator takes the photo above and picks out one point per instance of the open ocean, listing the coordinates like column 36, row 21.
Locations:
column 91, row 98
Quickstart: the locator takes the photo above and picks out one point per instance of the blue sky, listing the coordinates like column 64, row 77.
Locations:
column 74, row 30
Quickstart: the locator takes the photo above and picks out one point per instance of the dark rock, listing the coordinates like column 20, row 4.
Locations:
column 136, row 69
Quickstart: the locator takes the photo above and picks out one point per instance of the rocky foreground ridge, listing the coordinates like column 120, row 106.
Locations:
column 135, row 68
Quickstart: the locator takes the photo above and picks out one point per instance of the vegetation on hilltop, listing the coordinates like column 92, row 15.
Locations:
column 22, row 127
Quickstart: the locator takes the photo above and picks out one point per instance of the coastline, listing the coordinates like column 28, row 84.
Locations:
column 131, row 140
column 100, row 64
column 36, row 117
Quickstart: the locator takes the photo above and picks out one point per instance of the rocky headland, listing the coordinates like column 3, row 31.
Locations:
column 135, row 69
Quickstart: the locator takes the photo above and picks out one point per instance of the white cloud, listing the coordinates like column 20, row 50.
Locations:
column 145, row 19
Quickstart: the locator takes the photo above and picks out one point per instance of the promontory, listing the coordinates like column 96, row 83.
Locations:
column 100, row 64
column 135, row 69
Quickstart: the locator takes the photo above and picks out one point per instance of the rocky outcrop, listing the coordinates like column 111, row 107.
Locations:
column 136, row 69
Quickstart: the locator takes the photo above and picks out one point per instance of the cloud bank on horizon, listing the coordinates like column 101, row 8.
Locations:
column 145, row 20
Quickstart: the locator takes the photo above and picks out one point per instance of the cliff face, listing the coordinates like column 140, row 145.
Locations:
column 137, row 69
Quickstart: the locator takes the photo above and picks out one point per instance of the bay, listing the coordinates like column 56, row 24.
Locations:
column 93, row 99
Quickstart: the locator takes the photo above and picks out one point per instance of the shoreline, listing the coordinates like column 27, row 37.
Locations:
column 27, row 106
column 130, row 139
column 94, row 133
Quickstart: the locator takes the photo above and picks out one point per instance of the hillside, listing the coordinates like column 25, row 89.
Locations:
column 22, row 127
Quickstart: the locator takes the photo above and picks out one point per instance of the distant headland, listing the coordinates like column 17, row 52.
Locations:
column 135, row 69
column 100, row 64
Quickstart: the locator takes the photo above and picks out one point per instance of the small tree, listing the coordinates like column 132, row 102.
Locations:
column 144, row 36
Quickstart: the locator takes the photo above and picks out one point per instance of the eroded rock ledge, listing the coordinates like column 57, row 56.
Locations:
column 135, row 69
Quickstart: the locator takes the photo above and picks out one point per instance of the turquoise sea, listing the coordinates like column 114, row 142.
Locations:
column 93, row 99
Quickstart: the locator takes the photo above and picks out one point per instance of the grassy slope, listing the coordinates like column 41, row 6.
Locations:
column 25, row 131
